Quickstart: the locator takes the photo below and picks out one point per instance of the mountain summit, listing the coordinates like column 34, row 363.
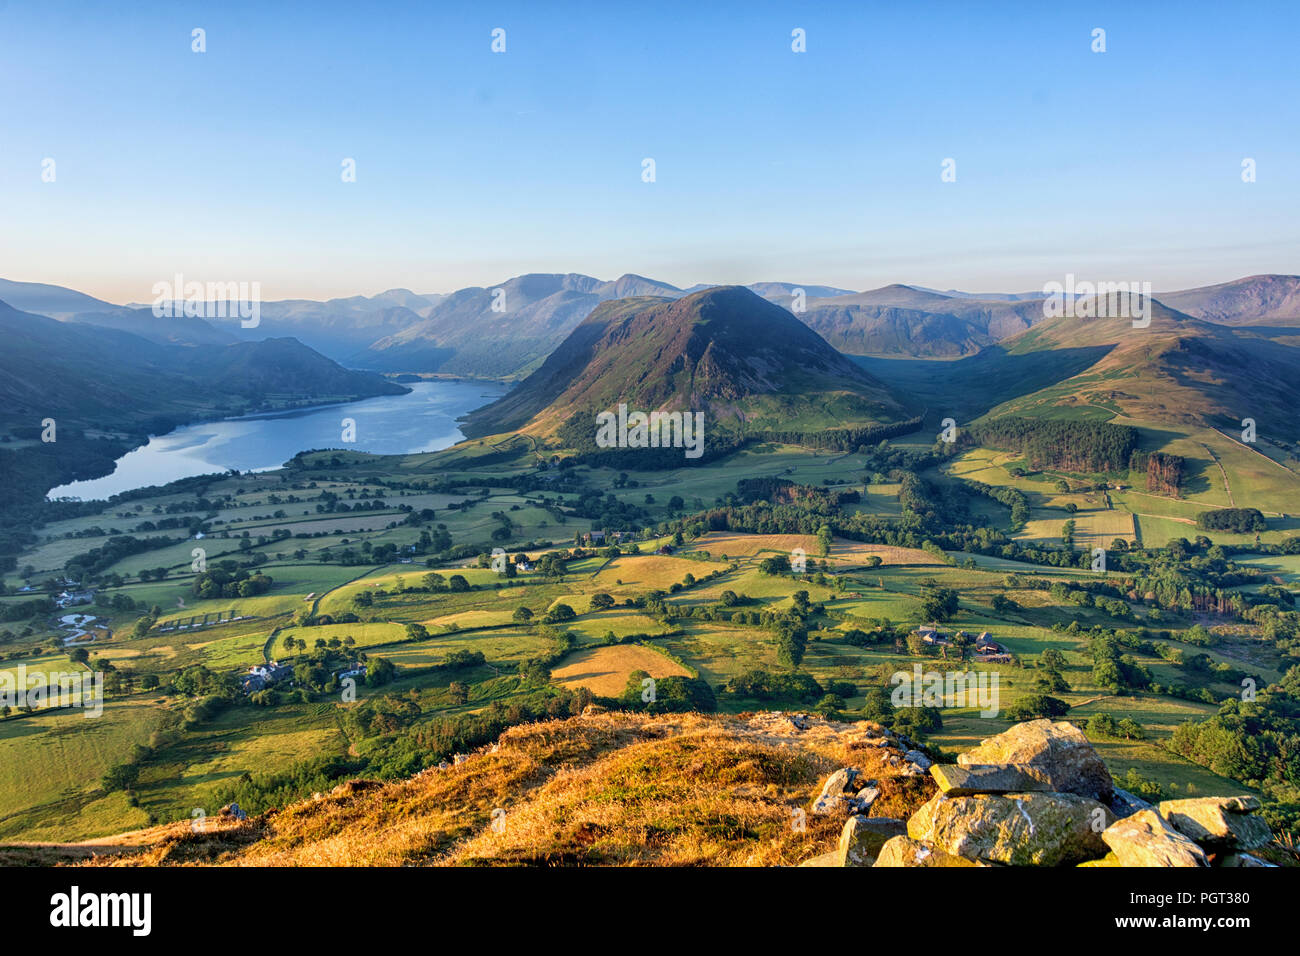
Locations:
column 747, row 363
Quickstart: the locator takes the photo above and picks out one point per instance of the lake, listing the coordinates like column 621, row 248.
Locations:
column 423, row 420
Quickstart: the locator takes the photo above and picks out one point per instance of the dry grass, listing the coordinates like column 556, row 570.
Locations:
column 604, row 670
column 604, row 788
column 843, row 551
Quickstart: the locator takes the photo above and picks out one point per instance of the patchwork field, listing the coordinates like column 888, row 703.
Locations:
column 346, row 609
column 604, row 670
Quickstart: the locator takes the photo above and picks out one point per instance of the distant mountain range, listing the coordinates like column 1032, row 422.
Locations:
column 507, row 330
column 88, row 376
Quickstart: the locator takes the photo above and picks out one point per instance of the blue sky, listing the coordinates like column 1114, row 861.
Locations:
column 820, row 167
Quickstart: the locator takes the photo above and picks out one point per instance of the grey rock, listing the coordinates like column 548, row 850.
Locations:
column 1219, row 822
column 1145, row 839
column 1058, row 750
column 962, row 781
column 1125, row 804
column 918, row 758
column 862, row 838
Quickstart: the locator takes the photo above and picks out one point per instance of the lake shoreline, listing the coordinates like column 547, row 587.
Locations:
column 424, row 417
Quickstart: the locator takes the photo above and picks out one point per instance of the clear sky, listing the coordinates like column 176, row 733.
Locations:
column 816, row 167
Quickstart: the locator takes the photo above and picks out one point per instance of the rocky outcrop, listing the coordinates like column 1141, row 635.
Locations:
column 904, row 851
column 863, row 837
column 1019, row 829
column 1146, row 839
column 957, row 781
column 1038, row 795
column 1219, row 822
column 846, row 791
column 1059, row 752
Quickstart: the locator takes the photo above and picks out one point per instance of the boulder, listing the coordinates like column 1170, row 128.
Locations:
column 1058, row 750
column 862, row 838
column 1219, row 822
column 919, row 759
column 861, row 803
column 1244, row 859
column 1145, row 839
column 958, row 781
column 826, row 859
column 1110, row 859
column 1019, row 829
column 834, row 797
column 1125, row 804
column 904, row 851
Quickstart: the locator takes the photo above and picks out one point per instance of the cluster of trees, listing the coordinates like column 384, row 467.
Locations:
column 1164, row 472
column 1013, row 498
column 1256, row 742
column 227, row 579
column 759, row 684
column 915, row 722
column 1104, row 725
column 1239, row 520
column 98, row 560
column 1035, row 707
column 1097, row 447
column 675, row 694
column 1113, row 670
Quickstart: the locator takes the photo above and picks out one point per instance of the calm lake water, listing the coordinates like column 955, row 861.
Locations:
column 423, row 420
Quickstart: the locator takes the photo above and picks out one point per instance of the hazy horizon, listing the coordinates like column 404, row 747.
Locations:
column 269, row 297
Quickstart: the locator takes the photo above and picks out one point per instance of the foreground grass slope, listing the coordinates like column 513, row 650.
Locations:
column 603, row 788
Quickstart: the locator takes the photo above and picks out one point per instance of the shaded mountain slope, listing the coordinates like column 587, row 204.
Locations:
column 746, row 362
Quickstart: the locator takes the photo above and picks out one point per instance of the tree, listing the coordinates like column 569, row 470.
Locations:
column 1036, row 706
column 601, row 601
column 379, row 671
column 1106, row 673
column 1130, row 729
column 1102, row 725
column 559, row 614
column 937, row 603
column 522, row 615
column 792, row 641
column 916, row 721
column 122, row 776
column 830, row 707
column 417, row 632
column 1052, row 659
